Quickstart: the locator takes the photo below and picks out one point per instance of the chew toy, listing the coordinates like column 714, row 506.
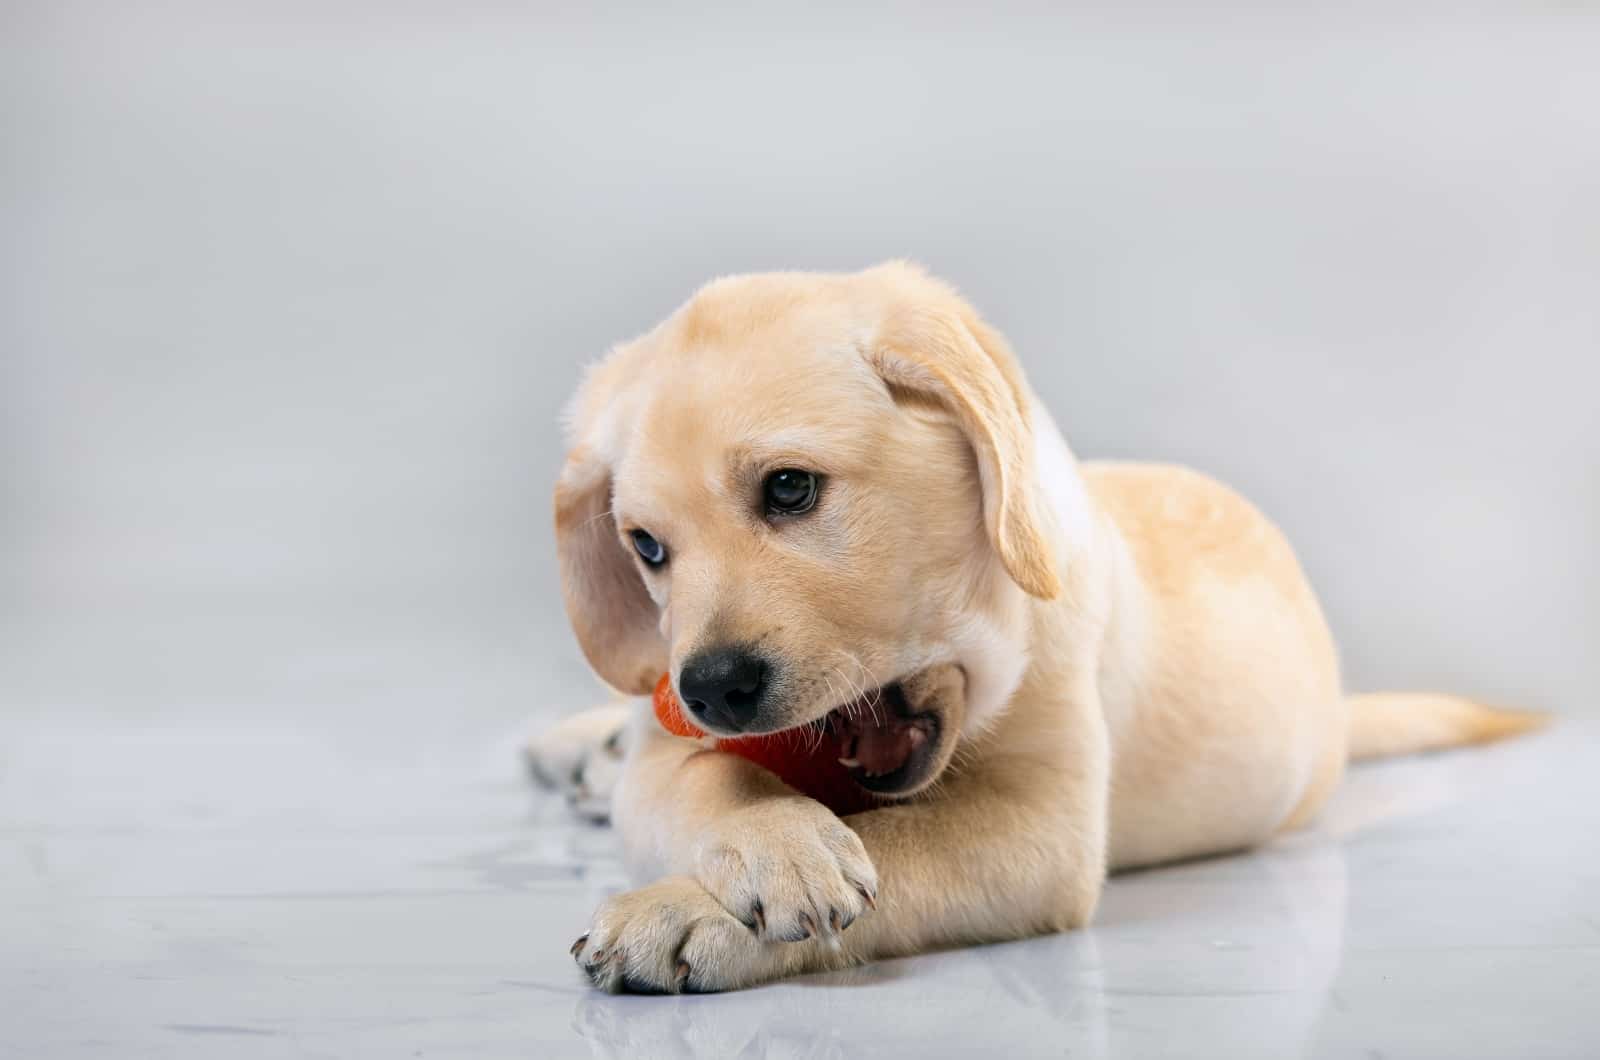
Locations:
column 807, row 762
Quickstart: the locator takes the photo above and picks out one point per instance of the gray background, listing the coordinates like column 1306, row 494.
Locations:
column 293, row 293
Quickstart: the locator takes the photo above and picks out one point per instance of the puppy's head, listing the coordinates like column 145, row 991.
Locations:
column 811, row 500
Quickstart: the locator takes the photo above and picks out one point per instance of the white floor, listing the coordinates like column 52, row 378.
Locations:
column 339, row 874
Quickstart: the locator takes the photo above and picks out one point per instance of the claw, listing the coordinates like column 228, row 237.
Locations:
column 808, row 925
column 868, row 897
column 577, row 947
column 758, row 913
column 680, row 977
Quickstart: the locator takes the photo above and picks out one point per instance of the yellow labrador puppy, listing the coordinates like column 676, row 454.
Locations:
column 833, row 499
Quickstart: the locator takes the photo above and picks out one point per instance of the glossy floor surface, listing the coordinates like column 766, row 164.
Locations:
column 312, row 878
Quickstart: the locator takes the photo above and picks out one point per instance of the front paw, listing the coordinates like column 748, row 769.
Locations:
column 581, row 757
column 788, row 869
column 671, row 938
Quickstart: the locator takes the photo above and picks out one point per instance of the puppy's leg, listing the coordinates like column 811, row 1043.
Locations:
column 781, row 863
column 1011, row 847
column 581, row 757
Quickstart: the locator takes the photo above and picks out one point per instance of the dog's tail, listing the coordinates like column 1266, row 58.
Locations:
column 1394, row 723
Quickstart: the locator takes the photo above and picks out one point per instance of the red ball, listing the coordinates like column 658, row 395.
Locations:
column 806, row 762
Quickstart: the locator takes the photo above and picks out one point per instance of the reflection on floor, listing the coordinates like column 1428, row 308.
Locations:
column 195, row 887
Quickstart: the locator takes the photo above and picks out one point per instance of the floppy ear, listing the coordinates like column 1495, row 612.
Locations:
column 610, row 610
column 937, row 352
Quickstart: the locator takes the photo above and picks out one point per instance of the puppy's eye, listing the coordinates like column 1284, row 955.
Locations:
column 790, row 491
column 650, row 550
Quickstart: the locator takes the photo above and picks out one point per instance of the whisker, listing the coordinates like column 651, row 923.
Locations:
column 856, row 690
column 833, row 697
column 833, row 694
column 854, row 703
column 609, row 512
column 871, row 699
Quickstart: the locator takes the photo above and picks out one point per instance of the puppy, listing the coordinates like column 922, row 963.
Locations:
column 833, row 499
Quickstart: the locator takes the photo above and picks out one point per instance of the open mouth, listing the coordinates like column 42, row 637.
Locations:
column 887, row 747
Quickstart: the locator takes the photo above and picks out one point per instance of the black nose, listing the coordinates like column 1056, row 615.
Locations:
column 724, row 687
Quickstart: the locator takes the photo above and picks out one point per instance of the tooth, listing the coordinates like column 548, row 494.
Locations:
column 849, row 763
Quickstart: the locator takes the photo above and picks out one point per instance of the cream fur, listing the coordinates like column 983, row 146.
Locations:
column 1147, row 675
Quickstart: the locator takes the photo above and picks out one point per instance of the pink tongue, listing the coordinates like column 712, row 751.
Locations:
column 883, row 748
